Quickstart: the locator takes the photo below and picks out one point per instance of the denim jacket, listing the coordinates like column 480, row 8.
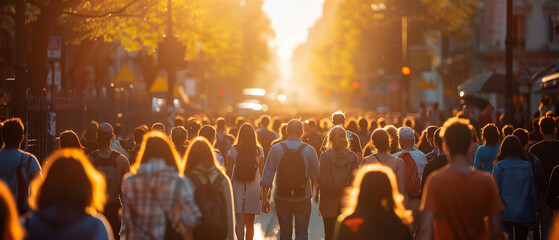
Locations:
column 515, row 181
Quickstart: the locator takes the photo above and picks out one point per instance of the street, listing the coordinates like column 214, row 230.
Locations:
column 266, row 225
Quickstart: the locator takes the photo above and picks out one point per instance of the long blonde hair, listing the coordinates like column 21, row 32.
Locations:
column 337, row 139
column 71, row 179
column 374, row 188
column 156, row 145
column 8, row 214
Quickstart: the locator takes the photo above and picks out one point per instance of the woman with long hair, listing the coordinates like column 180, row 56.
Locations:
column 9, row 222
column 156, row 197
column 68, row 199
column 394, row 142
column 336, row 166
column 513, row 174
column 380, row 141
column 375, row 208
column 69, row 139
column 212, row 191
column 245, row 165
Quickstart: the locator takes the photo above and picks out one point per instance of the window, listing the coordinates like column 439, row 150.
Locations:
column 553, row 28
column 519, row 31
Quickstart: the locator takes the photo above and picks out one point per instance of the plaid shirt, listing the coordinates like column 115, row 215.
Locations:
column 143, row 216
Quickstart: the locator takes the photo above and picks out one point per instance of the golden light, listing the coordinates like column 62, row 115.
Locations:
column 355, row 84
column 406, row 70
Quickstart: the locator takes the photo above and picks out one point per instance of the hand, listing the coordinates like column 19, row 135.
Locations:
column 266, row 206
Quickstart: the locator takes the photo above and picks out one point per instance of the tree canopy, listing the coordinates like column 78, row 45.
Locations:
column 232, row 45
column 353, row 42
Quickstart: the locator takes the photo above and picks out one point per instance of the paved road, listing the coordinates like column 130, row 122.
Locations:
column 266, row 225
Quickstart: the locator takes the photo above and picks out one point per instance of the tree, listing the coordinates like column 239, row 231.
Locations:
column 211, row 25
column 352, row 43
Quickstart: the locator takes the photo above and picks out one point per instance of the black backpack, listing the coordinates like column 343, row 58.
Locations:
column 213, row 206
column 109, row 168
column 245, row 167
column 292, row 177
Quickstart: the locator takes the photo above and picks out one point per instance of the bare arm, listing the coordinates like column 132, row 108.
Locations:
column 265, row 203
column 426, row 230
column 261, row 166
column 229, row 166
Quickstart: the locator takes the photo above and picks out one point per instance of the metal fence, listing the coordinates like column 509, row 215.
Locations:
column 48, row 116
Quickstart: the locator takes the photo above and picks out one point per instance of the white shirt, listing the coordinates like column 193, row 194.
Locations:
column 418, row 157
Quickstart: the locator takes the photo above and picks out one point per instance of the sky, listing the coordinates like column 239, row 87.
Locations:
column 291, row 20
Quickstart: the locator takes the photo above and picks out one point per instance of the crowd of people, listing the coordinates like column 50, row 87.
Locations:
column 203, row 179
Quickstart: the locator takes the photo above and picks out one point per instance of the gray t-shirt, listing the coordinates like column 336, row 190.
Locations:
column 9, row 162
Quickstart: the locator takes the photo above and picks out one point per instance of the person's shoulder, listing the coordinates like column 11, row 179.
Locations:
column 441, row 174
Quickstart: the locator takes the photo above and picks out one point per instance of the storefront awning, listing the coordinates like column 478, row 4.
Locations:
column 550, row 81
column 489, row 82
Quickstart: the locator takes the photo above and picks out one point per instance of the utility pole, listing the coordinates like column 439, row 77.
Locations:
column 508, row 65
column 171, row 40
column 406, row 77
column 19, row 99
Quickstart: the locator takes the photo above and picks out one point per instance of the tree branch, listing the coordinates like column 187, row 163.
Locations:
column 118, row 12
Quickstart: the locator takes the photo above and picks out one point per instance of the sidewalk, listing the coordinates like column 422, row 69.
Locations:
column 266, row 225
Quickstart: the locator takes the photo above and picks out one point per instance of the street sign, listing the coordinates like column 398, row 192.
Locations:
column 125, row 76
column 523, row 75
column 160, row 86
column 54, row 48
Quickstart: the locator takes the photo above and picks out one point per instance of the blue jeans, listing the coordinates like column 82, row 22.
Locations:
column 286, row 210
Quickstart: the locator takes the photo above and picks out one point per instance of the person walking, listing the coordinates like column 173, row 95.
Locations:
column 265, row 135
column 540, row 182
column 156, row 197
column 375, row 208
column 113, row 166
column 381, row 142
column 246, row 163
column 445, row 214
column 89, row 137
column 338, row 118
column 212, row 192
column 69, row 139
column 295, row 163
column 17, row 167
column 209, row 133
column 67, row 201
column 513, row 174
column 336, row 166
column 486, row 153
column 546, row 151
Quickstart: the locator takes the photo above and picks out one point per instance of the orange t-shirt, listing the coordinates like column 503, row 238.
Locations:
column 461, row 203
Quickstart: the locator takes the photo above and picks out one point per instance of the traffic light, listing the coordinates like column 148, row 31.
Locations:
column 406, row 70
column 355, row 84
column 221, row 93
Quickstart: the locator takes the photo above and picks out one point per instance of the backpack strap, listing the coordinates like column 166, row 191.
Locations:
column 284, row 146
column 301, row 147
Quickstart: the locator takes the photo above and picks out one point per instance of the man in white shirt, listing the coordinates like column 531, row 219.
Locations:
column 407, row 141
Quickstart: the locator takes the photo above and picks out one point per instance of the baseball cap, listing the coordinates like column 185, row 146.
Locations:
column 406, row 133
column 106, row 128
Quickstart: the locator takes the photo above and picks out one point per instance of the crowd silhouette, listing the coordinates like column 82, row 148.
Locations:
column 374, row 176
